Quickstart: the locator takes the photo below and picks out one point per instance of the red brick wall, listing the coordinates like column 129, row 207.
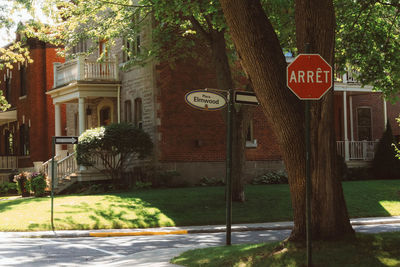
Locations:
column 36, row 106
column 375, row 102
column 190, row 135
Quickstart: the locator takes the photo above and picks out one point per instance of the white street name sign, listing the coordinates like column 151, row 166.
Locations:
column 247, row 98
column 205, row 100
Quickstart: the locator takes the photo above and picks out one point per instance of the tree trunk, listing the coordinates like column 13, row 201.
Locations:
column 241, row 116
column 264, row 62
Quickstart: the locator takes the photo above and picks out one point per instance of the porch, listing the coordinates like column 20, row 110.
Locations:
column 95, row 89
column 356, row 150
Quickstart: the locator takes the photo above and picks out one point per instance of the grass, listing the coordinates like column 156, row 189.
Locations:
column 366, row 250
column 183, row 207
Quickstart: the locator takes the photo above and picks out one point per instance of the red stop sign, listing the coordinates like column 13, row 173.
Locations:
column 309, row 76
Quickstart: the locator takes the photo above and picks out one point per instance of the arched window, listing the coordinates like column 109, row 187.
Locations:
column 138, row 113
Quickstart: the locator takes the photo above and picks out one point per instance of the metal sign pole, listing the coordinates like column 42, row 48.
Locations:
column 308, row 176
column 229, row 167
column 52, row 182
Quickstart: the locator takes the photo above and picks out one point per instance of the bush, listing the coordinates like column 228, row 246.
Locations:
column 113, row 145
column 23, row 184
column 342, row 170
column 205, row 181
column 385, row 164
column 359, row 173
column 8, row 188
column 38, row 184
column 273, row 177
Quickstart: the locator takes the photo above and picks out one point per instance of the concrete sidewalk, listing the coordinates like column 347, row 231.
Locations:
column 180, row 230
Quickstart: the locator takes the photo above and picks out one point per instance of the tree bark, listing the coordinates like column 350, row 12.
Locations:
column 241, row 115
column 264, row 62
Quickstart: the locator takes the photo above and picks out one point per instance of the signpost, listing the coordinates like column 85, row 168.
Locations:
column 60, row 140
column 209, row 100
column 309, row 77
column 205, row 100
column 245, row 97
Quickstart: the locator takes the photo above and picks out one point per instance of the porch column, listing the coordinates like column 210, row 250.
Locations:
column 384, row 114
column 351, row 118
column 346, row 139
column 81, row 114
column 57, row 118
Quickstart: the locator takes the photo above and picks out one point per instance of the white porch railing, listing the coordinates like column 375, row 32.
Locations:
column 81, row 69
column 8, row 162
column 64, row 167
column 358, row 150
column 67, row 166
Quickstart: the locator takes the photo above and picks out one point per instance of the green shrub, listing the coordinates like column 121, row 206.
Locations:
column 8, row 188
column 341, row 167
column 38, row 184
column 113, row 145
column 143, row 185
column 23, row 185
column 385, row 164
column 359, row 173
column 211, row 181
column 273, row 177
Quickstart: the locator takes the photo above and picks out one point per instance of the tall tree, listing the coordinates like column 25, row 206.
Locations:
column 15, row 52
column 367, row 43
column 178, row 25
column 263, row 60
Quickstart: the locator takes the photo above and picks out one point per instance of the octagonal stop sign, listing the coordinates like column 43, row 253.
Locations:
column 309, row 76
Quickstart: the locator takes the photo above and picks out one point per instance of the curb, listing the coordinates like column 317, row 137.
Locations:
column 180, row 231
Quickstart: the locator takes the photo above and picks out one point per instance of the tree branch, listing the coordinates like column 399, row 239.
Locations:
column 197, row 26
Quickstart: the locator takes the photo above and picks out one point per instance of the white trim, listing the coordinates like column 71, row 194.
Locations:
column 351, row 118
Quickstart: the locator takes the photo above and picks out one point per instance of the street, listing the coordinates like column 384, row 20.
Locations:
column 132, row 250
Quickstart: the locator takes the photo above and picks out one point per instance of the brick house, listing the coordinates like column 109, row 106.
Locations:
column 26, row 127
column 188, row 140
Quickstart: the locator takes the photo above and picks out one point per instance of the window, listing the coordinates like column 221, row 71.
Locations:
column 364, row 123
column 105, row 116
column 131, row 48
column 24, row 139
column 23, row 89
column 128, row 111
column 138, row 113
column 8, row 90
column 9, row 142
column 250, row 141
column 81, row 47
column 103, row 48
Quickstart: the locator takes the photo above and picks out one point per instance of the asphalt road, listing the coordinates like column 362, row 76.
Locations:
column 132, row 250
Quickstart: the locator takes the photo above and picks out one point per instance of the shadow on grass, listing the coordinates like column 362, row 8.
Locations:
column 9, row 204
column 371, row 198
column 366, row 251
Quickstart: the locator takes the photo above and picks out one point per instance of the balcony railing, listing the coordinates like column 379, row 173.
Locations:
column 357, row 150
column 81, row 69
column 349, row 76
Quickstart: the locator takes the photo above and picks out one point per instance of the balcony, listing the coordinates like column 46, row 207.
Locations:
column 81, row 69
column 350, row 76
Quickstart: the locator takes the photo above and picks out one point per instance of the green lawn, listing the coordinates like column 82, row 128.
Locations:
column 183, row 207
column 366, row 251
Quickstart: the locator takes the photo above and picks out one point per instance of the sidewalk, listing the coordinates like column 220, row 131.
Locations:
column 180, row 230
